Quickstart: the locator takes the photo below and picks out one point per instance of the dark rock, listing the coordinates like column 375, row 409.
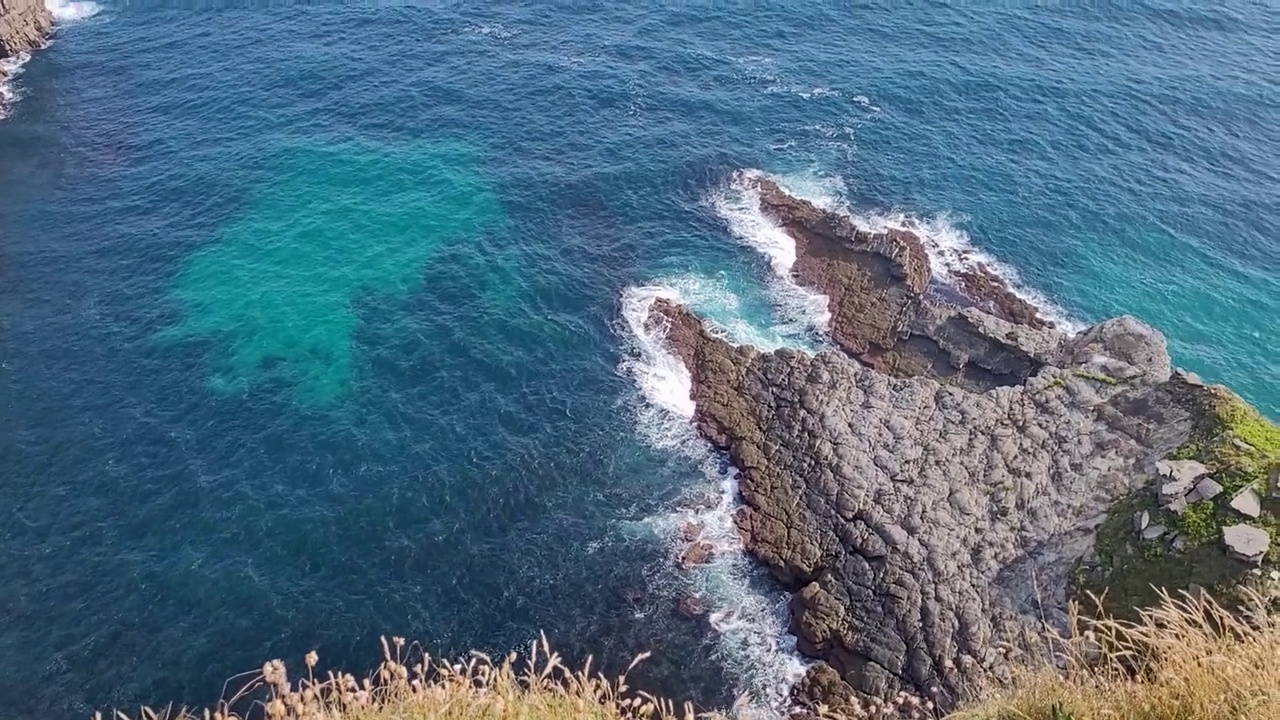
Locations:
column 691, row 530
column 1207, row 489
column 925, row 493
column 994, row 296
column 876, row 287
column 691, row 606
column 696, row 553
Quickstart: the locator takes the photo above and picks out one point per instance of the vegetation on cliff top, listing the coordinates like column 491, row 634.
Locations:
column 1241, row 448
column 1187, row 658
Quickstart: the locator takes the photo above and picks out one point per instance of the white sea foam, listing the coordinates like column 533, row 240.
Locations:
column 751, row 624
column 950, row 248
column 10, row 68
column 65, row 10
column 738, row 204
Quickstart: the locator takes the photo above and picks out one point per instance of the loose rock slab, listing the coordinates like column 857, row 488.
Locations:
column 1247, row 503
column 1246, row 542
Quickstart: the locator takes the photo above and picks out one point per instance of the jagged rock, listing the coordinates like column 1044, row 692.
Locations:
column 1180, row 476
column 24, row 26
column 925, row 491
column 1155, row 532
column 1179, row 542
column 1247, row 503
column 696, row 553
column 1246, row 542
column 692, row 606
column 1178, row 505
column 1181, row 469
column 1141, row 520
column 691, row 530
column 1207, row 489
column 1189, row 378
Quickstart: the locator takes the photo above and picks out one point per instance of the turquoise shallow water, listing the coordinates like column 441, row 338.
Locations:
column 312, row 319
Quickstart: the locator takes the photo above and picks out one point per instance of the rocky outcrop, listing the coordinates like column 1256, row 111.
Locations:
column 926, row 491
column 24, row 26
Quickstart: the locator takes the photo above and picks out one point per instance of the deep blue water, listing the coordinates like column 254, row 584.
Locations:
column 311, row 318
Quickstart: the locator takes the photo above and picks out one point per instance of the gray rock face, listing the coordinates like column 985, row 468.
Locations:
column 925, row 491
column 919, row 524
column 1246, row 542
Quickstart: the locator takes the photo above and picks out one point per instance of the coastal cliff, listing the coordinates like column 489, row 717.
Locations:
column 931, row 493
column 24, row 26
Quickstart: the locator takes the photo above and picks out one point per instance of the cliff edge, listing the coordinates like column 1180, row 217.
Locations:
column 931, row 492
column 25, row 25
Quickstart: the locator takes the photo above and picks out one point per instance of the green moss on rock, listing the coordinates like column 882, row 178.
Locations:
column 1240, row 446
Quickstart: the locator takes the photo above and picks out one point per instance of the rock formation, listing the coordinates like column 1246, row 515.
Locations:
column 24, row 26
column 926, row 491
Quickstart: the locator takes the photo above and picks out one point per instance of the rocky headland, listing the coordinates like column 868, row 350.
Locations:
column 936, row 491
column 25, row 25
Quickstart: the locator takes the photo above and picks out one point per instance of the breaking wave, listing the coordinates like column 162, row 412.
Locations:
column 750, row 620
column 10, row 68
column 64, row 10
column 950, row 248
column 738, row 204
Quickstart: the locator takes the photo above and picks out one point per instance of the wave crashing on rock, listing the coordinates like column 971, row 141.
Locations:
column 924, row 491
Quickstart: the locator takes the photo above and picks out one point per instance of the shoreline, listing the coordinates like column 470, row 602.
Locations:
column 926, row 491
column 25, row 27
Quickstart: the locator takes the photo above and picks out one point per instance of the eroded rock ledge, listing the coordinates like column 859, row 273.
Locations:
column 24, row 26
column 926, row 493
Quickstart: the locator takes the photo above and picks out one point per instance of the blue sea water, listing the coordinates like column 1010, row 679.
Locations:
column 318, row 322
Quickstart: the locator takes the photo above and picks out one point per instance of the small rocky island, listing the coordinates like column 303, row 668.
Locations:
column 24, row 26
column 947, row 481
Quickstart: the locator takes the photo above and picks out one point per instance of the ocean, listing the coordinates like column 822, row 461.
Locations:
column 322, row 322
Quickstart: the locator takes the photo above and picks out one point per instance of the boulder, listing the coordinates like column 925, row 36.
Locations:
column 1178, row 477
column 1189, row 378
column 24, row 26
column 1247, row 503
column 1207, row 489
column 1246, row 542
column 1155, row 532
column 1141, row 520
column 1182, row 469
column 696, row 553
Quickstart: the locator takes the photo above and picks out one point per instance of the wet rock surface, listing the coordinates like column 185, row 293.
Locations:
column 925, row 491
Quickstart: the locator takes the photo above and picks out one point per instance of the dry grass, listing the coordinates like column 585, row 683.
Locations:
column 538, row 687
column 1186, row 659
